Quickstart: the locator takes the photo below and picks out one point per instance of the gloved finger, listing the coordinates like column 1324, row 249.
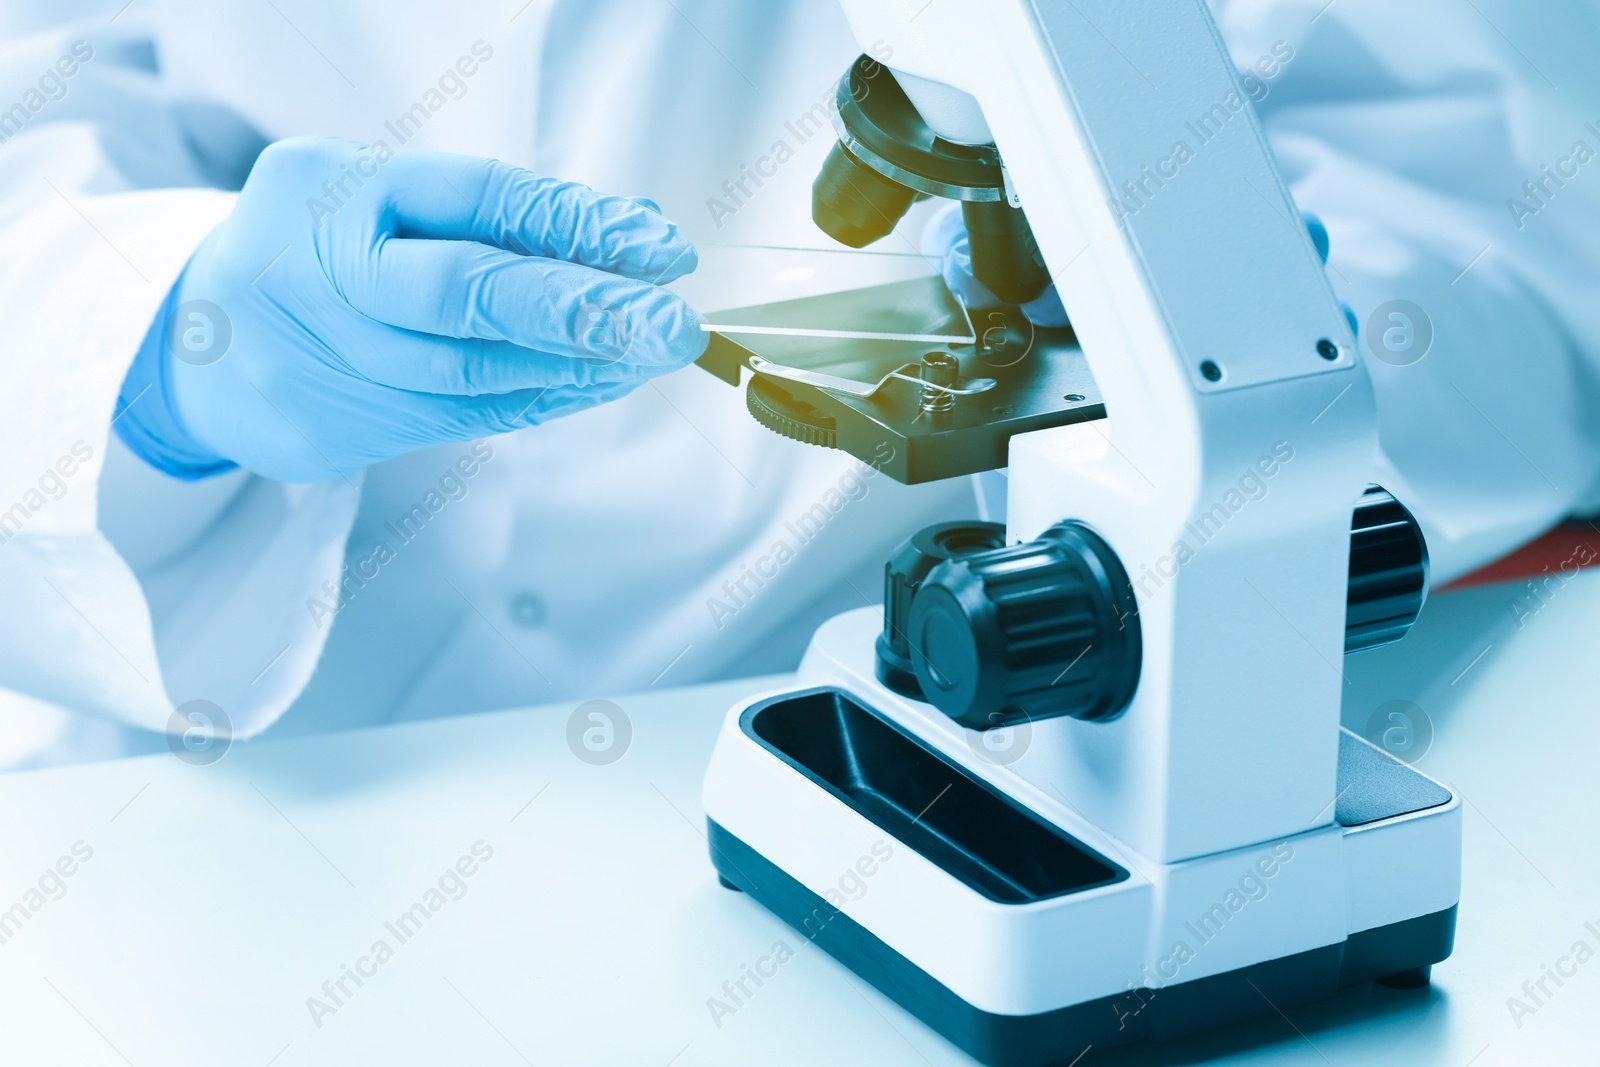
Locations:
column 945, row 244
column 465, row 290
column 956, row 270
column 943, row 229
column 1046, row 309
column 549, row 404
column 427, row 363
column 431, row 419
column 451, row 197
column 1318, row 232
column 466, row 419
column 1319, row 240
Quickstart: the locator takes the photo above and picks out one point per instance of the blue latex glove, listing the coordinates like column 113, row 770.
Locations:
column 944, row 240
column 320, row 329
column 1319, row 240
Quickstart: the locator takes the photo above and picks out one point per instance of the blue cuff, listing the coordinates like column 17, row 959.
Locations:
column 145, row 419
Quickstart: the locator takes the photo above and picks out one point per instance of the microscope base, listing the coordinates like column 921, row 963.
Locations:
column 1023, row 932
column 1402, row 950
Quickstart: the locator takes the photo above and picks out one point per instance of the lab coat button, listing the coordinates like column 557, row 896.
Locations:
column 528, row 611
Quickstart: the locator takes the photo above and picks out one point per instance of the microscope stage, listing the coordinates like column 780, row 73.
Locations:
column 1041, row 378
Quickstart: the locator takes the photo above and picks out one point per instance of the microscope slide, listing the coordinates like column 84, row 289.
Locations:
column 957, row 337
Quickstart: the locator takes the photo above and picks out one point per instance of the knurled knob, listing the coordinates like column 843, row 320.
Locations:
column 1029, row 631
column 1388, row 572
column 903, row 575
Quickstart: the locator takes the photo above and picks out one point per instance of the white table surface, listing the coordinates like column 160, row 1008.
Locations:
column 219, row 898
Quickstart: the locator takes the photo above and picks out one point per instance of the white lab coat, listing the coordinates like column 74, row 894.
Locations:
column 602, row 553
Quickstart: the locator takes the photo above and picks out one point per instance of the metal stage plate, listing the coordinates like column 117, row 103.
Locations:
column 1041, row 377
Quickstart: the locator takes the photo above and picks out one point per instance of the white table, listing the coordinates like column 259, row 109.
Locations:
column 219, row 898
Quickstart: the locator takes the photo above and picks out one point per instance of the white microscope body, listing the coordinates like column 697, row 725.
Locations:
column 1219, row 848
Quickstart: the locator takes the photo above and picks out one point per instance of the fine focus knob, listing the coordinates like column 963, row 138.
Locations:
column 1030, row 631
column 903, row 576
column 1388, row 572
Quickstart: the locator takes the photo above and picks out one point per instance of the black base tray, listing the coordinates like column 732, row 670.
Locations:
column 1403, row 951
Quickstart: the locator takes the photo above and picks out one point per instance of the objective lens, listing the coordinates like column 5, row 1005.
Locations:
column 1004, row 255
column 854, row 204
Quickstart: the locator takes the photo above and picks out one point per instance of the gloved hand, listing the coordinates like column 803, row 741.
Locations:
column 944, row 240
column 1319, row 240
column 359, row 304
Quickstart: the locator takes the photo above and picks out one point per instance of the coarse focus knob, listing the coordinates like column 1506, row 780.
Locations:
column 1030, row 631
column 1388, row 572
column 903, row 576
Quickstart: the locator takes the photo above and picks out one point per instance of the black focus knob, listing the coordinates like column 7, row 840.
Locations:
column 1030, row 631
column 903, row 576
column 1388, row 572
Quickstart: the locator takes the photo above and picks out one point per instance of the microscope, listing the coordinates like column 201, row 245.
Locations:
column 1081, row 781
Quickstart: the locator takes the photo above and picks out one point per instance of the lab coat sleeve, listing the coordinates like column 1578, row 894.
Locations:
column 1425, row 139
column 210, row 602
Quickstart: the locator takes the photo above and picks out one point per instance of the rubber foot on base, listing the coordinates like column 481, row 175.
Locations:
column 1415, row 978
column 729, row 885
